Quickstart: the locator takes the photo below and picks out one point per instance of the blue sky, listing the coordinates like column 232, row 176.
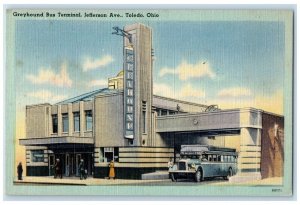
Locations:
column 232, row 64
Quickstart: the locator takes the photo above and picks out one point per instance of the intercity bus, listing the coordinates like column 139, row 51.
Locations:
column 203, row 161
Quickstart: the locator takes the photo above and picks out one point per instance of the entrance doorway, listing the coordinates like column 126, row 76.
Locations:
column 70, row 163
column 51, row 164
column 78, row 158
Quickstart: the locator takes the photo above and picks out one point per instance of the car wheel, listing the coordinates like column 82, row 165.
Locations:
column 173, row 178
column 198, row 176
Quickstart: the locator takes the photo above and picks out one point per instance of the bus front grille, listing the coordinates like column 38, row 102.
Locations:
column 182, row 166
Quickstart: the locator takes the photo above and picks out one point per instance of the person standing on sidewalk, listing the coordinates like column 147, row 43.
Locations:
column 57, row 169
column 20, row 171
column 81, row 169
column 111, row 170
column 170, row 164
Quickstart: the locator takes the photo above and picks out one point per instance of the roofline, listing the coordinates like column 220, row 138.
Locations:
column 272, row 113
column 87, row 93
column 180, row 101
column 101, row 95
column 38, row 105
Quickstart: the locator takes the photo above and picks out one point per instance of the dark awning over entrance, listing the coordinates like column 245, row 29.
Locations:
column 56, row 140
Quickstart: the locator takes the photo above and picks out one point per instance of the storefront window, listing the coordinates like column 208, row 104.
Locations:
column 37, row 155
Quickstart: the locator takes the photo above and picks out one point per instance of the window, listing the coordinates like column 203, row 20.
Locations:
column 76, row 121
column 54, row 123
column 171, row 112
column 89, row 120
column 108, row 154
column 164, row 112
column 214, row 158
column 37, row 155
column 65, row 122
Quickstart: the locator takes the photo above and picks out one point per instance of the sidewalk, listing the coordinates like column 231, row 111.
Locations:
column 100, row 182
column 76, row 181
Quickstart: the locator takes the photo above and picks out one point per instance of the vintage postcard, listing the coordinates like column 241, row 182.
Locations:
column 149, row 102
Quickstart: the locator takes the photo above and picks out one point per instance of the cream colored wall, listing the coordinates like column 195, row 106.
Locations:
column 37, row 121
column 108, row 126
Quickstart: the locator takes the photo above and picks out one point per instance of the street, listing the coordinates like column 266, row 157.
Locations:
column 97, row 181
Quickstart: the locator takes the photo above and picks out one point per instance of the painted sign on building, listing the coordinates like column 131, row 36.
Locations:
column 129, row 92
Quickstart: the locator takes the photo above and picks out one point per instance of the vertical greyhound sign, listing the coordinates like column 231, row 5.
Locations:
column 129, row 77
column 129, row 92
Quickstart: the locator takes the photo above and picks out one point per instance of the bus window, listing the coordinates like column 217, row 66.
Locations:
column 209, row 158
column 225, row 158
column 204, row 157
column 219, row 158
column 215, row 158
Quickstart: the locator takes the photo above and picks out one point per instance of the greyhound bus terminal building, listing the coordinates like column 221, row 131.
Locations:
column 140, row 131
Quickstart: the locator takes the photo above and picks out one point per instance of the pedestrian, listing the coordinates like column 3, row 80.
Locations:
column 81, row 169
column 20, row 171
column 57, row 169
column 111, row 170
column 170, row 164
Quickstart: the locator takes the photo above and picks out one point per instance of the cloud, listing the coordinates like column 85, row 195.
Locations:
column 46, row 96
column 187, row 92
column 185, row 70
column 97, row 83
column 47, row 76
column 234, row 92
column 271, row 103
column 91, row 64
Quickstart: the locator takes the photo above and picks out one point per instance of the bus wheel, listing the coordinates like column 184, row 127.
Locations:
column 173, row 178
column 229, row 174
column 198, row 176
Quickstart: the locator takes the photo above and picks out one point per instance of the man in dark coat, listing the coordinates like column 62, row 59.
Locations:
column 20, row 171
column 57, row 169
column 81, row 169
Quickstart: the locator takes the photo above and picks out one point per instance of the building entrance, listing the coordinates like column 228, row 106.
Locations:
column 70, row 163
